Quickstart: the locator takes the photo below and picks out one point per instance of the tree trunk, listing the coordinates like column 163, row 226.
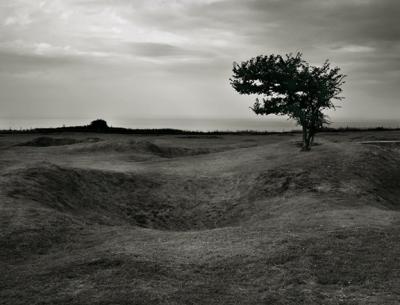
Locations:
column 312, row 134
column 306, row 139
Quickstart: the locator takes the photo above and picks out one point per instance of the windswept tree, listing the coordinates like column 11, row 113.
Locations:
column 290, row 86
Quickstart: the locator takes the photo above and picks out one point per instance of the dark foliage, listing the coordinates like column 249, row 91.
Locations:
column 98, row 125
column 292, row 87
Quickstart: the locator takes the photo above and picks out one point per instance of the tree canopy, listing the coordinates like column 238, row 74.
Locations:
column 98, row 125
column 290, row 86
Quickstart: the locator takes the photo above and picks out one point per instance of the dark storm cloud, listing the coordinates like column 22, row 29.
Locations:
column 337, row 28
column 345, row 21
column 294, row 22
column 152, row 49
column 156, row 49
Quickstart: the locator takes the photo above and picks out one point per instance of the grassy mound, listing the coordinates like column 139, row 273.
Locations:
column 264, row 224
column 49, row 141
column 142, row 147
column 182, row 202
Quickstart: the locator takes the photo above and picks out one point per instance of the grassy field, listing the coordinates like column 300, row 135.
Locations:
column 199, row 219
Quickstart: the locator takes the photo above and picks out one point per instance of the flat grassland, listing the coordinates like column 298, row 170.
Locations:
column 199, row 219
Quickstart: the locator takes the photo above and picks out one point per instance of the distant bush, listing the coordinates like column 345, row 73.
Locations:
column 98, row 125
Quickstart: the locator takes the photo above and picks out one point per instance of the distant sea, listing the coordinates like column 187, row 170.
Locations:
column 197, row 124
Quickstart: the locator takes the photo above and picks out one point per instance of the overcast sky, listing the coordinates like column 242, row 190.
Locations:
column 173, row 58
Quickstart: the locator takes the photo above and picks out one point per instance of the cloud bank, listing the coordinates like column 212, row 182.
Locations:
column 163, row 58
